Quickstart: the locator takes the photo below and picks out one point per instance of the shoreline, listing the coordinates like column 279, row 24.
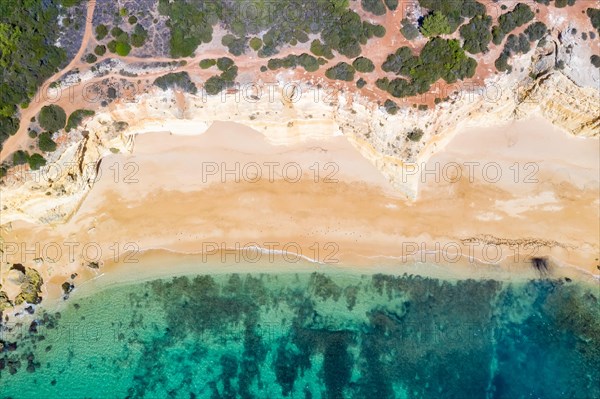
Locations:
column 167, row 196
column 152, row 267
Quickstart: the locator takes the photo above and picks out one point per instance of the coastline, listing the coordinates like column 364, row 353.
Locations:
column 166, row 196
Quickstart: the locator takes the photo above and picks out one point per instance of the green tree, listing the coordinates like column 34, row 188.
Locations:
column 101, row 32
column 20, row 157
column 408, row 30
column 536, row 31
column 122, row 49
column 255, row 43
column 77, row 117
column 476, row 34
column 362, row 64
column 45, row 142
column 52, row 118
column 435, row 24
column 36, row 161
column 341, row 71
column 373, row 6
column 100, row 50
column 207, row 63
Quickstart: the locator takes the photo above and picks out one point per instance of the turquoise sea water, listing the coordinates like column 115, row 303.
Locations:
column 312, row 336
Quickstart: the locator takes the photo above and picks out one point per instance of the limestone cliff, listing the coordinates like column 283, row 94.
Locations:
column 534, row 87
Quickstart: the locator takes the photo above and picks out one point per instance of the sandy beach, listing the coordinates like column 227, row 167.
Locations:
column 493, row 197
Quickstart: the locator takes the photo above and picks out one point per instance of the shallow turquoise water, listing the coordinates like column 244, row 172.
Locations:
column 313, row 336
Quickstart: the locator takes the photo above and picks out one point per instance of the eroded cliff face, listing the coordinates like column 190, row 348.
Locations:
column 535, row 87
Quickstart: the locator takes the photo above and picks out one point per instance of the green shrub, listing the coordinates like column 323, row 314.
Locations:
column 307, row 61
column 594, row 15
column 471, row 8
column 341, row 71
column 101, row 32
column 112, row 46
column 415, row 134
column 115, row 32
column 360, row 83
column 20, row 157
column 435, row 24
column 501, row 63
column 373, row 6
column 390, row 107
column 255, row 43
column 595, row 60
column 90, row 58
column 100, row 50
column 320, row 50
column 382, row 84
column 122, row 49
column 52, row 118
column 230, row 74
column 401, row 88
column 208, row 63
column 497, row 35
column 132, row 19
column 536, row 31
column 235, row 45
column 362, row 64
column 224, row 63
column 476, row 34
column 32, row 134
column 179, row 79
column 408, row 30
column 519, row 16
column 36, row 161
column 77, row 117
column 139, row 36
column 391, row 4
column 45, row 142
column 214, row 85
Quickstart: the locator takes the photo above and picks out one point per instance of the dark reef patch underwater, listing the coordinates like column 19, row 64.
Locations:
column 312, row 336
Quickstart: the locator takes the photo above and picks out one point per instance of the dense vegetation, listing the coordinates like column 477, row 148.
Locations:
column 28, row 31
column 180, row 79
column 341, row 29
column 439, row 58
